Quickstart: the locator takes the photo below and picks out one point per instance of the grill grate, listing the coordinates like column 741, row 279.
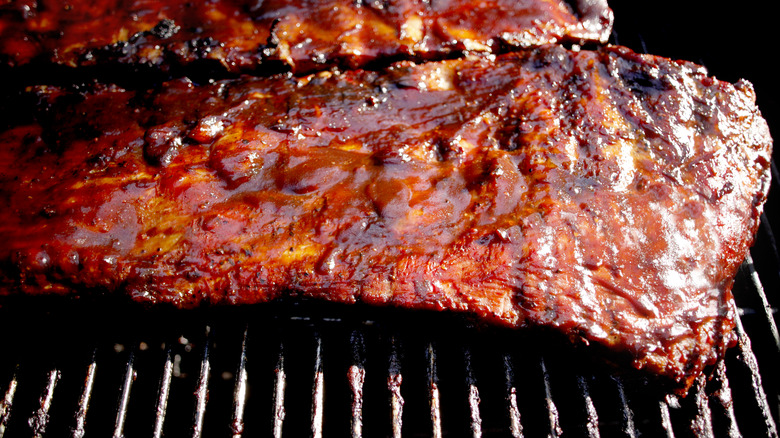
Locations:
column 329, row 353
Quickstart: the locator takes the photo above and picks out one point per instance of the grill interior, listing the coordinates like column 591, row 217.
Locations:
column 299, row 369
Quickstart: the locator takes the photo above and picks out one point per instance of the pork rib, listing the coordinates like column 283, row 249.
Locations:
column 303, row 35
column 604, row 194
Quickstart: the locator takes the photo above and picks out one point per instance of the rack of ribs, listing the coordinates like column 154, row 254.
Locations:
column 301, row 35
column 605, row 195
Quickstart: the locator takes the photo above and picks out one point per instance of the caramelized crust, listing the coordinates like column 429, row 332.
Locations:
column 303, row 35
column 607, row 195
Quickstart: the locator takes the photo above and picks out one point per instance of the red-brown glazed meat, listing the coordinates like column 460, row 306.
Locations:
column 603, row 194
column 305, row 35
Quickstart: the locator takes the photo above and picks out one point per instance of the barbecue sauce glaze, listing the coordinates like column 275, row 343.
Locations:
column 603, row 194
column 302, row 35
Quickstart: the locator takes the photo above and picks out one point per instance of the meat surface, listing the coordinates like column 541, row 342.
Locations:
column 605, row 195
column 303, row 35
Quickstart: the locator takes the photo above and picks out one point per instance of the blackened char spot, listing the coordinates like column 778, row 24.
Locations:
column 202, row 46
column 513, row 134
column 643, row 82
column 99, row 160
column 510, row 138
column 273, row 39
column 377, row 5
column 447, row 149
column 165, row 29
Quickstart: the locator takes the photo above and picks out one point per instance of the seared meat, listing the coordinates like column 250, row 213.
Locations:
column 607, row 195
column 304, row 35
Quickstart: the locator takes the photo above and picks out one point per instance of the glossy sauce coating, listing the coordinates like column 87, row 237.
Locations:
column 303, row 35
column 603, row 194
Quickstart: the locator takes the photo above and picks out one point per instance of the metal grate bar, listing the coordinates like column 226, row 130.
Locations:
column 81, row 415
column 357, row 377
column 7, row 404
column 162, row 396
column 749, row 359
column 515, row 426
column 40, row 417
column 701, row 423
column 240, row 392
column 280, row 382
column 318, row 389
column 433, row 390
column 666, row 418
column 767, row 226
column 723, row 396
column 629, row 429
column 592, row 421
column 767, row 309
column 552, row 410
column 471, row 381
column 394, row 381
column 124, row 397
column 201, row 394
